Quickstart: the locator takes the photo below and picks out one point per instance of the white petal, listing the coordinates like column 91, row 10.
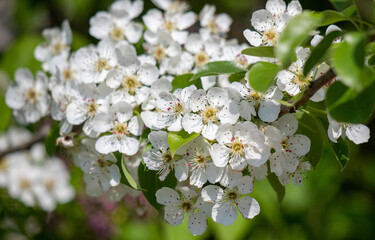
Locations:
column 213, row 173
column 269, row 110
column 224, row 134
column 167, row 196
column 246, row 185
column 224, row 213
column 76, row 113
column 260, row 19
column 276, row 7
column 229, row 114
column 192, row 123
column 14, row 97
column 135, row 126
column 107, row 144
column 358, row 133
column 133, row 32
column 152, row 159
column 276, row 160
column 212, row 193
column 230, row 178
column 159, row 139
column 186, row 20
column 247, row 110
column 291, row 161
column 148, row 74
column 220, row 155
column 297, row 179
column 181, row 170
column 209, row 130
column 299, row 144
column 294, row 8
column 197, row 223
column 217, row 97
column 129, row 146
column 249, row 207
column 174, row 215
column 287, row 124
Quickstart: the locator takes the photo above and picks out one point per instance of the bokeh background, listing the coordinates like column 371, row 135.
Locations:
column 330, row 204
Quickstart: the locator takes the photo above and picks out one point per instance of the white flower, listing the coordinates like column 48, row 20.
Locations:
column 293, row 146
column 297, row 178
column 173, row 23
column 201, row 165
column 117, row 24
column 57, row 44
column 173, row 107
column 23, row 180
column 207, row 110
column 171, row 6
column 226, row 201
column 28, row 98
column 357, row 133
column 215, row 24
column 92, row 101
column 293, row 80
column 54, row 187
column 101, row 171
column 318, row 38
column 159, row 158
column 268, row 109
column 188, row 202
column 239, row 145
column 121, row 123
column 94, row 63
column 132, row 79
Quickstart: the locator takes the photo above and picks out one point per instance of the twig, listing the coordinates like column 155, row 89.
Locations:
column 39, row 136
column 311, row 90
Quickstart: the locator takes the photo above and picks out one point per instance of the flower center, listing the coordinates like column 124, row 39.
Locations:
column 300, row 81
column 231, row 195
column 31, row 95
column 254, row 97
column 92, row 108
column 212, row 26
column 237, row 147
column 103, row 163
column 120, row 129
column 50, row 185
column 270, row 37
column 131, row 83
column 159, row 53
column 169, row 26
column 25, row 184
column 241, row 59
column 178, row 109
column 3, row 165
column 102, row 64
column 117, row 34
column 209, row 115
column 167, row 157
column 186, row 206
column 68, row 74
column 58, row 47
column 201, row 59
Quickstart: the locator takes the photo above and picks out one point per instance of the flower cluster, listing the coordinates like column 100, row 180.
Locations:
column 31, row 176
column 123, row 99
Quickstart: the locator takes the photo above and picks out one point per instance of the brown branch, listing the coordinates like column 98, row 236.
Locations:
column 39, row 136
column 311, row 90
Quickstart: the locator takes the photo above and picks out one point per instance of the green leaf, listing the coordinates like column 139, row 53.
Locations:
column 319, row 51
column 288, row 104
column 297, row 30
column 150, row 183
column 237, row 77
column 350, row 11
column 341, row 4
column 341, row 151
column 50, row 141
column 183, row 81
column 6, row 114
column 330, row 17
column 311, row 127
column 346, row 105
column 127, row 175
column 217, row 68
column 371, row 60
column 276, row 185
column 262, row 76
column 348, row 60
column 263, row 51
column 366, row 9
column 177, row 139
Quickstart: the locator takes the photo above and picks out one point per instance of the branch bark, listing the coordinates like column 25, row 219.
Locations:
column 311, row 90
column 39, row 136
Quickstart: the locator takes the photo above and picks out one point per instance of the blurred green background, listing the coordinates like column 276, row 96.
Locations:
column 330, row 204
